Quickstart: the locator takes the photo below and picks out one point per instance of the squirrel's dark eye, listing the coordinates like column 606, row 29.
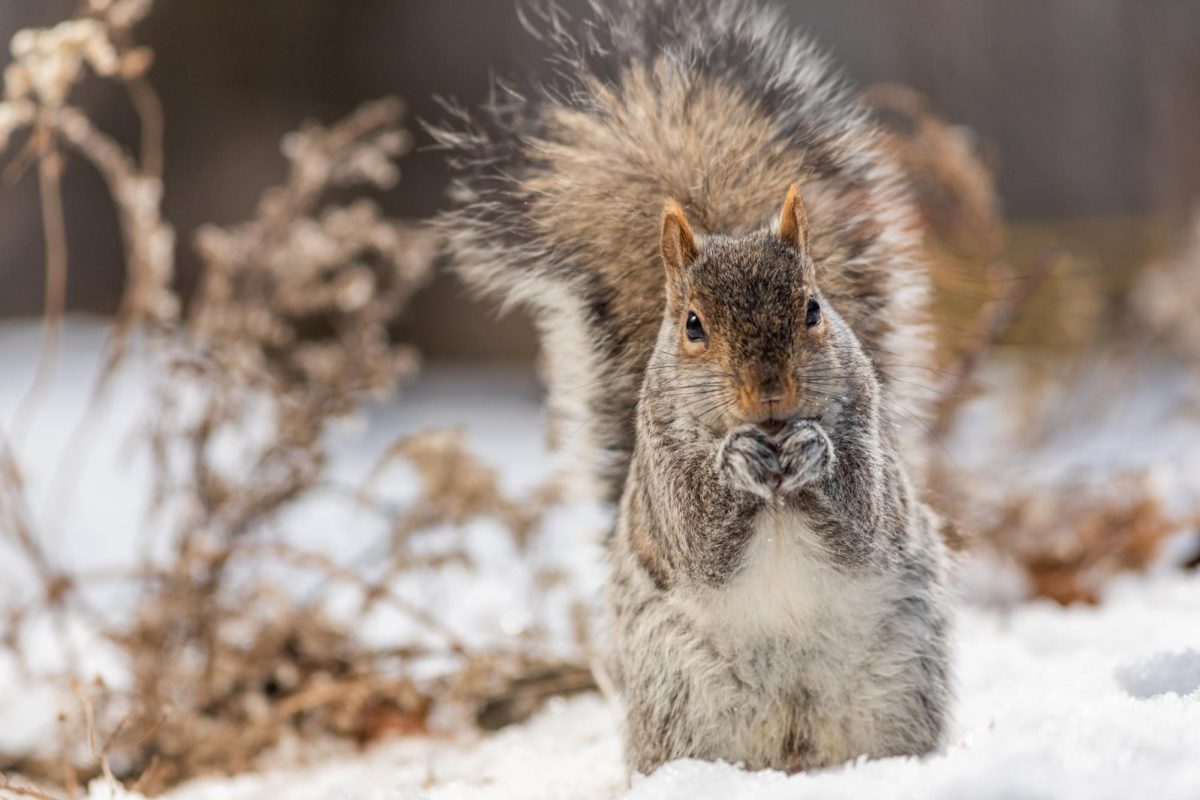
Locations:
column 693, row 328
column 813, row 314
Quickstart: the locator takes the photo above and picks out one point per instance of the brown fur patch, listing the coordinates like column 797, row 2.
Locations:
column 660, row 134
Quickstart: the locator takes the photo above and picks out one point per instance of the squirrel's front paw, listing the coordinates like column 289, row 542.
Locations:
column 805, row 454
column 749, row 460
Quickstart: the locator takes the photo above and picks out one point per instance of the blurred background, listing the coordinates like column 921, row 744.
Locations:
column 1087, row 110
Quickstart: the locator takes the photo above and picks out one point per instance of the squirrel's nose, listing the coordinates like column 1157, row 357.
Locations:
column 770, row 391
column 762, row 397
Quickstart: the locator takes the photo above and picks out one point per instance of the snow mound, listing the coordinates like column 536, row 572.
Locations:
column 1164, row 673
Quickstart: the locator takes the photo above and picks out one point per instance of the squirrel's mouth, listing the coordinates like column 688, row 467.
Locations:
column 772, row 426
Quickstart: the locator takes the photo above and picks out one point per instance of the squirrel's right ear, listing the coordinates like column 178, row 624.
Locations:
column 678, row 246
column 793, row 220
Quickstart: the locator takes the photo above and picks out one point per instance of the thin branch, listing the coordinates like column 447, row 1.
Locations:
column 995, row 323
column 16, row 514
column 321, row 563
column 149, row 110
column 148, row 294
column 147, row 104
column 8, row 789
column 54, row 234
column 89, row 718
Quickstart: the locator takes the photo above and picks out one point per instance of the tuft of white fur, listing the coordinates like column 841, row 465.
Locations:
column 789, row 587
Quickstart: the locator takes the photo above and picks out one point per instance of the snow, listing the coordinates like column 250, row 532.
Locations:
column 1084, row 702
column 1162, row 673
column 1088, row 703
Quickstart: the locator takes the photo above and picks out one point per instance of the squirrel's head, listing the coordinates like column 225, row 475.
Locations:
column 747, row 331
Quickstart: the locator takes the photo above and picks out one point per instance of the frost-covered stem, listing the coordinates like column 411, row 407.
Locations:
column 146, row 102
column 54, row 233
column 54, row 229
column 96, row 752
column 149, row 110
column 9, row 789
column 15, row 516
column 148, row 240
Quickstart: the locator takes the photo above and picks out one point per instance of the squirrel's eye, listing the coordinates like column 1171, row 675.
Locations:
column 813, row 314
column 693, row 328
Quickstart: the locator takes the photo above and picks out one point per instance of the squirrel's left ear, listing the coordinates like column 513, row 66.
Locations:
column 677, row 245
column 793, row 221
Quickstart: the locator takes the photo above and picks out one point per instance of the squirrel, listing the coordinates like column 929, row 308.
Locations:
column 735, row 360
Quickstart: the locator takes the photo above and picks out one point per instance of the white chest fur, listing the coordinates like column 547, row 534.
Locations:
column 795, row 645
column 789, row 588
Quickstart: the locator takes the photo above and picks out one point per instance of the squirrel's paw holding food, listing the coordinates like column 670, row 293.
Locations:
column 749, row 461
column 805, row 454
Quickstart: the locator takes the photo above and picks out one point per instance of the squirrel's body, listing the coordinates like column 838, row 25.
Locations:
column 796, row 630
column 745, row 392
column 784, row 667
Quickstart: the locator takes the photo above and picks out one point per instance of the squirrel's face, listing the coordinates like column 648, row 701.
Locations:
column 752, row 338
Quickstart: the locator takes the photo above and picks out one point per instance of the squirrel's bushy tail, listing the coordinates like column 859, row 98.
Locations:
column 716, row 103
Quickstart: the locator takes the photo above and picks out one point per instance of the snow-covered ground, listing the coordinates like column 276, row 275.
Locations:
column 1085, row 702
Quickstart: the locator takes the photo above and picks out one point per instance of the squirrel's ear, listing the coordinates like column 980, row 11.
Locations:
column 793, row 221
column 678, row 246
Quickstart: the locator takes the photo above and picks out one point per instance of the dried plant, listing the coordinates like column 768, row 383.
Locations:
column 1068, row 539
column 947, row 171
column 975, row 301
column 457, row 488
column 46, row 66
column 290, row 330
column 1164, row 299
column 39, row 126
column 302, row 295
column 958, row 206
column 1071, row 540
column 219, row 678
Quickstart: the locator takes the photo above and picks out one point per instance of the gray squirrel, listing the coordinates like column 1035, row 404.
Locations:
column 738, row 370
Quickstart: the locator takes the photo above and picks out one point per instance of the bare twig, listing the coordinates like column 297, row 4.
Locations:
column 149, row 110
column 994, row 323
column 149, row 241
column 89, row 716
column 321, row 563
column 8, row 789
column 54, row 234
